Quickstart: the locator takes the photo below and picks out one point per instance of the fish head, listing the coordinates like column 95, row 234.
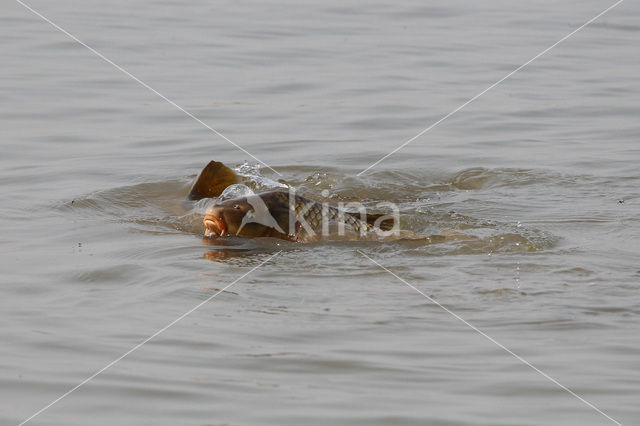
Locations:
column 225, row 218
column 245, row 217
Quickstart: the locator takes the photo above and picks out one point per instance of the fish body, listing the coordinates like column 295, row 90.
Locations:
column 280, row 214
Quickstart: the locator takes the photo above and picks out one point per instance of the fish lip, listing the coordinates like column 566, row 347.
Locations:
column 214, row 226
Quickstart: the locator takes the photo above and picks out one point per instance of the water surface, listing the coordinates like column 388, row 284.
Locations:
column 99, row 252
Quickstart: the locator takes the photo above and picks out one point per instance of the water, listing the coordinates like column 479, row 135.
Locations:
column 99, row 252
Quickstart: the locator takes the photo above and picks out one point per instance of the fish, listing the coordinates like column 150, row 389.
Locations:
column 280, row 214
column 287, row 216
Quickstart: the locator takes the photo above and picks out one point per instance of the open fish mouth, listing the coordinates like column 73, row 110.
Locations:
column 214, row 226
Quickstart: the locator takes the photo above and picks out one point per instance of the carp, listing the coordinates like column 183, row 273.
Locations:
column 280, row 214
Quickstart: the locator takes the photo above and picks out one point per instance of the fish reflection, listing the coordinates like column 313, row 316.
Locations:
column 228, row 249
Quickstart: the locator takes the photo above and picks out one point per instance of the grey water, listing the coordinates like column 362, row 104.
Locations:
column 98, row 251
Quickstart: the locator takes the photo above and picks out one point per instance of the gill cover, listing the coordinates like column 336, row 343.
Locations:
column 260, row 214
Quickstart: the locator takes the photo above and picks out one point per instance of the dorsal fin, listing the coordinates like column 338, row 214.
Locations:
column 213, row 179
column 385, row 225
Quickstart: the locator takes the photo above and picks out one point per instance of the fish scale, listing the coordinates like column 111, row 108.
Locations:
column 313, row 213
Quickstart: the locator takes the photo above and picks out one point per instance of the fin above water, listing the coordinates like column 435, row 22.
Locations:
column 213, row 179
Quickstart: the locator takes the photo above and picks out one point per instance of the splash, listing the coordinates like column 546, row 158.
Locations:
column 251, row 173
column 237, row 190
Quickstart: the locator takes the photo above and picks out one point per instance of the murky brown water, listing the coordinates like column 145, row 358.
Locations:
column 99, row 251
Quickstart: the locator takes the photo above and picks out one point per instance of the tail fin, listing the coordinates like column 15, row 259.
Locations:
column 213, row 179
